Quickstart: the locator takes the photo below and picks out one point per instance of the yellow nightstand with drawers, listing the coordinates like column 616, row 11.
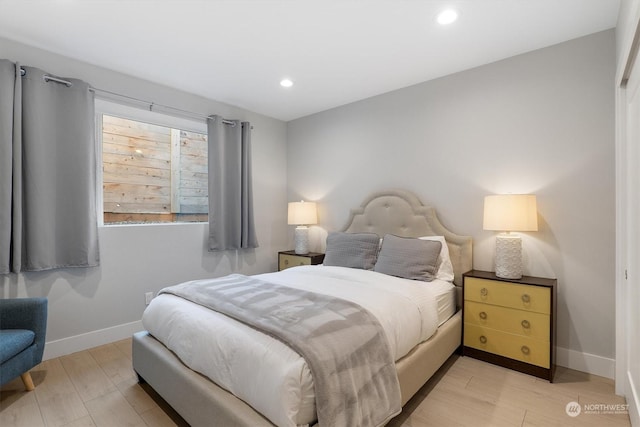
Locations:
column 510, row 322
column 288, row 259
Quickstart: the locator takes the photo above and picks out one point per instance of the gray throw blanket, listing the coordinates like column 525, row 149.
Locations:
column 344, row 345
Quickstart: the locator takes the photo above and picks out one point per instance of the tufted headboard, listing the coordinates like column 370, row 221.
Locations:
column 401, row 213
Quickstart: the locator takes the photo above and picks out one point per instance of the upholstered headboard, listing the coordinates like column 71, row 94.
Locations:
column 401, row 213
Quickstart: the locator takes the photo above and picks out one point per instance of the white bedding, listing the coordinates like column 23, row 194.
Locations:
column 226, row 351
column 445, row 299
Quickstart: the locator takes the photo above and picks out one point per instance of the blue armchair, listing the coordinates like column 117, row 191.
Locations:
column 23, row 325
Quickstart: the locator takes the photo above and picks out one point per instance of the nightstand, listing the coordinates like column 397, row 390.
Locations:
column 288, row 259
column 510, row 322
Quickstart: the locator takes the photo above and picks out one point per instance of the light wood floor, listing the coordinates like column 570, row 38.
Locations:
column 98, row 387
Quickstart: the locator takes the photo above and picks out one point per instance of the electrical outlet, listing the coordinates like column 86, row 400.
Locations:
column 148, row 297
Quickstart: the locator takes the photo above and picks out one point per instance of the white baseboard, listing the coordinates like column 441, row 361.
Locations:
column 633, row 399
column 585, row 362
column 64, row 346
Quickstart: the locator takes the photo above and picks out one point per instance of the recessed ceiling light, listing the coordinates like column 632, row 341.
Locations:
column 286, row 83
column 447, row 16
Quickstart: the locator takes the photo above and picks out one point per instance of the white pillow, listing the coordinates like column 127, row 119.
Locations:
column 445, row 268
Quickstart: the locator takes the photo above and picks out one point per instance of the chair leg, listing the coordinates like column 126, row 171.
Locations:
column 28, row 382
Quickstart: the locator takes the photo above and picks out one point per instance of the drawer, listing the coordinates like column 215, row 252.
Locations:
column 525, row 349
column 519, row 322
column 286, row 261
column 508, row 294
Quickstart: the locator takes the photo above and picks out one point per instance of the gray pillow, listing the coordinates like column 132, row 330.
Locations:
column 408, row 258
column 354, row 250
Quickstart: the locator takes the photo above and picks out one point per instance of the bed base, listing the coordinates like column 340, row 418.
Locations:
column 202, row 403
column 415, row 369
column 196, row 398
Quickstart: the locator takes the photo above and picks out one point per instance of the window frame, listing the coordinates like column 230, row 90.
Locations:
column 142, row 114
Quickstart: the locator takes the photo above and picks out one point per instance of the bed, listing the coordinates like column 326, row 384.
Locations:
column 202, row 402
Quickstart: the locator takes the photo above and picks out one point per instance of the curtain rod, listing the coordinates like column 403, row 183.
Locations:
column 47, row 78
column 150, row 103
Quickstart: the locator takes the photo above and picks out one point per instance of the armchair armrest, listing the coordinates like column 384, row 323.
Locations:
column 26, row 313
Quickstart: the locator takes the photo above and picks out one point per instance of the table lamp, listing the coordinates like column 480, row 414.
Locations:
column 302, row 214
column 506, row 213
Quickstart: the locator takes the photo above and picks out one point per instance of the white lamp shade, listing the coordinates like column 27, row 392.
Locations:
column 510, row 212
column 302, row 213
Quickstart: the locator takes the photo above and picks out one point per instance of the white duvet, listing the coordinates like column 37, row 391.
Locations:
column 263, row 371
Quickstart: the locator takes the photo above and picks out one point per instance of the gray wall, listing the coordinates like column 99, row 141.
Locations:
column 139, row 259
column 541, row 123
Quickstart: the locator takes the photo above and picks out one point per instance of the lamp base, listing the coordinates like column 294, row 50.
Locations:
column 508, row 256
column 301, row 239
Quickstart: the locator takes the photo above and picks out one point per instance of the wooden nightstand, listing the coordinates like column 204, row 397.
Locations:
column 288, row 259
column 510, row 322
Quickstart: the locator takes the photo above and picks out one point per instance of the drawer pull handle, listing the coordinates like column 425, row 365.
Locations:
column 483, row 339
column 483, row 315
column 484, row 292
column 525, row 349
column 286, row 262
column 526, row 298
column 525, row 324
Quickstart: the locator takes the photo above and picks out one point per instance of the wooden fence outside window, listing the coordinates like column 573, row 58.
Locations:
column 152, row 173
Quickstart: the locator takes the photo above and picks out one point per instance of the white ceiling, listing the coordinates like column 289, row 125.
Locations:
column 336, row 51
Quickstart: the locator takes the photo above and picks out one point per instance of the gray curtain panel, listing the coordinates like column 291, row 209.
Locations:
column 53, row 176
column 231, row 224
column 10, row 89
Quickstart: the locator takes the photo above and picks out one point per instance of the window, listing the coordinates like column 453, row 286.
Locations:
column 154, row 167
